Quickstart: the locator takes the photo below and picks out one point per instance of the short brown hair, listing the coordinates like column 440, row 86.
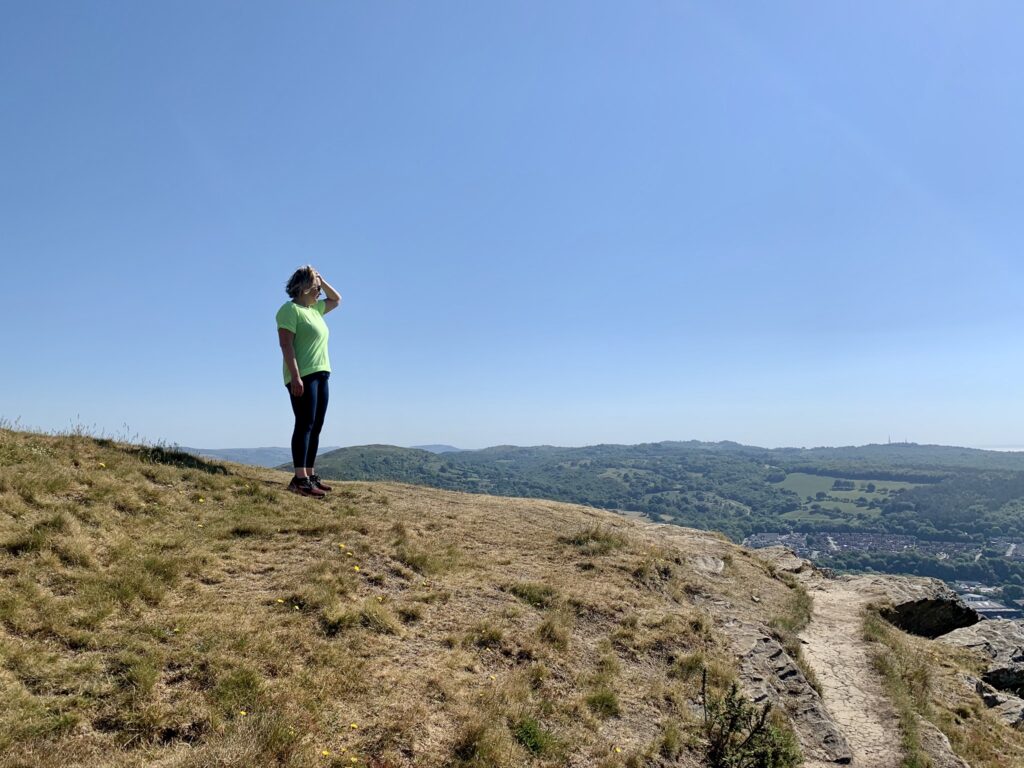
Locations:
column 300, row 280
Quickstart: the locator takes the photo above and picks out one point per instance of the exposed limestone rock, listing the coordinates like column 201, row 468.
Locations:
column 784, row 560
column 708, row 564
column 1006, row 706
column 989, row 695
column 768, row 673
column 1000, row 640
column 939, row 750
column 1006, row 677
column 923, row 607
column 1011, row 711
column 1002, row 684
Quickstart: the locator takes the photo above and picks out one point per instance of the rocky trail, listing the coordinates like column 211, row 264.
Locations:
column 852, row 691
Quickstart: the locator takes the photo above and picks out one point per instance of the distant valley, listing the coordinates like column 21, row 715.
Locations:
column 954, row 513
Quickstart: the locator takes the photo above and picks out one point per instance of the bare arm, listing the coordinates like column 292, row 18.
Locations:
column 333, row 297
column 287, row 341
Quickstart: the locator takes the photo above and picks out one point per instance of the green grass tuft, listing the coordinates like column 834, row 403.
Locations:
column 604, row 702
column 528, row 732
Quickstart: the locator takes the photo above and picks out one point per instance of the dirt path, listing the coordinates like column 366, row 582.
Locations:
column 852, row 692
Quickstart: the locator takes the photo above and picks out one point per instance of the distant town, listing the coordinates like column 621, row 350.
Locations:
column 990, row 601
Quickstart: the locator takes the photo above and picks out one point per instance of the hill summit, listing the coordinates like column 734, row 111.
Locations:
column 160, row 609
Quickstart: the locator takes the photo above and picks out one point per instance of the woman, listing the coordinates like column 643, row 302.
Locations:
column 302, row 333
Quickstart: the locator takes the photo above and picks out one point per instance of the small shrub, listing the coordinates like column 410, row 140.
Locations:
column 736, row 733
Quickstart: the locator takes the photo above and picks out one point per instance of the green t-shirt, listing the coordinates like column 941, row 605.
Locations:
column 307, row 323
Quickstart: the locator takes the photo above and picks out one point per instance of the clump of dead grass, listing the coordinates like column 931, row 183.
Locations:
column 427, row 560
column 595, row 540
column 537, row 595
column 371, row 614
column 556, row 629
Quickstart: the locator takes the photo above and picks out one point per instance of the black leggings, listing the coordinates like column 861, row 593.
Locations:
column 309, row 410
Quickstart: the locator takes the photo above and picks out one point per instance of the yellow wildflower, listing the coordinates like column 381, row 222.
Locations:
column 326, row 753
column 280, row 600
column 242, row 713
column 353, row 725
column 102, row 465
column 355, row 567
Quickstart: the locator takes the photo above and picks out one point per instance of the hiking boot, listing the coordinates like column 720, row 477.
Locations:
column 303, row 487
column 318, row 483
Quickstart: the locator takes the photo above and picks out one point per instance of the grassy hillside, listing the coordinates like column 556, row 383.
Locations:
column 930, row 492
column 158, row 609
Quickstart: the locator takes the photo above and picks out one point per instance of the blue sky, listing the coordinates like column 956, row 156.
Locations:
column 795, row 223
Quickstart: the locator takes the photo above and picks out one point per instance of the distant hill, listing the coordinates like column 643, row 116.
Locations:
column 438, row 448
column 925, row 491
column 258, row 457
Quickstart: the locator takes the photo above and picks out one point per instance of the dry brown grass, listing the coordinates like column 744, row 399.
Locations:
column 926, row 679
column 159, row 610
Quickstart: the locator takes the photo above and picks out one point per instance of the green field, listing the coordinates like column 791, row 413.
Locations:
column 807, row 485
column 846, row 509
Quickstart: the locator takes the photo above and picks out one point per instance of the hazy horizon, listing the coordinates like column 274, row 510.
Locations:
column 1003, row 448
